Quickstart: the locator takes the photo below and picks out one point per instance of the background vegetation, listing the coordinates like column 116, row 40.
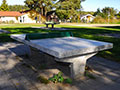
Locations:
column 66, row 10
column 106, row 15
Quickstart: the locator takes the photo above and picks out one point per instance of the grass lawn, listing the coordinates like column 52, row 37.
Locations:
column 83, row 32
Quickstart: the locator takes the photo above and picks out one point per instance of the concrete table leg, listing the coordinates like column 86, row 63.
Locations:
column 77, row 66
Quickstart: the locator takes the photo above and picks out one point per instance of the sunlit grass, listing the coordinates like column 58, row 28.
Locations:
column 82, row 32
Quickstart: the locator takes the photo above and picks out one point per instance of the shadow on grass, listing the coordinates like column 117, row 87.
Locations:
column 82, row 32
column 113, row 27
column 24, row 30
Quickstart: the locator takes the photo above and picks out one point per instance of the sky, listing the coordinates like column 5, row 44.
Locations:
column 92, row 5
column 88, row 5
column 13, row 2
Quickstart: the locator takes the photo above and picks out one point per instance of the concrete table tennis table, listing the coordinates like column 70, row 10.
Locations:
column 73, row 50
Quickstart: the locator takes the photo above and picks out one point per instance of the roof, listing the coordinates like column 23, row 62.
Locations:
column 87, row 15
column 10, row 13
column 83, row 16
column 26, row 11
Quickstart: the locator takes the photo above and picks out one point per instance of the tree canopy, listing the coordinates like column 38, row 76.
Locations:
column 98, row 12
column 4, row 6
column 118, row 15
column 65, row 9
column 68, row 9
column 106, row 12
column 42, row 6
column 17, row 8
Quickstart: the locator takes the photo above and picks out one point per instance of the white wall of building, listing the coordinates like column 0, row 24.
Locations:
column 5, row 19
column 25, row 19
column 91, row 19
column 21, row 19
column 85, row 18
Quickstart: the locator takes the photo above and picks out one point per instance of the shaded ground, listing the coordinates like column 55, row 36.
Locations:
column 4, row 31
column 110, row 35
column 52, row 28
column 21, row 73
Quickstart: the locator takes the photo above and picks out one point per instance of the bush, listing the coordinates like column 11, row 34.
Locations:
column 11, row 22
column 3, row 22
column 99, row 19
column 115, row 21
column 7, row 22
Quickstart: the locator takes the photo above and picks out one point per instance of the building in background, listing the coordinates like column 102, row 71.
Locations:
column 29, row 16
column 6, row 16
column 87, row 18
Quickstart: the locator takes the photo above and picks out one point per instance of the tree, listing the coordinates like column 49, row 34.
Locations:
column 4, row 6
column 118, row 15
column 86, row 12
column 69, row 7
column 42, row 6
column 17, row 8
column 108, row 11
column 106, row 15
column 98, row 12
column 65, row 9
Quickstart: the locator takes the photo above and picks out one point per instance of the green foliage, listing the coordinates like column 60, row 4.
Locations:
column 18, row 8
column 5, row 38
column 43, row 80
column 68, row 80
column 118, row 15
column 65, row 9
column 63, row 14
column 98, row 12
column 42, row 6
column 106, row 15
column 106, row 12
column 68, row 9
column 7, row 22
column 99, row 19
column 11, row 22
column 85, row 12
column 59, row 78
column 4, row 6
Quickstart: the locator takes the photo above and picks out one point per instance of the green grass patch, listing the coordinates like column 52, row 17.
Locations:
column 82, row 32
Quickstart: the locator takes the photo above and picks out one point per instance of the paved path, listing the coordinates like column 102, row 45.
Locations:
column 19, row 73
column 4, row 31
column 115, row 35
column 91, row 25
